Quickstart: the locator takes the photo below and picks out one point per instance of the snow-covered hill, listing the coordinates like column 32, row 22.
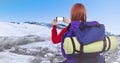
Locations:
column 23, row 29
column 30, row 42
column 27, row 43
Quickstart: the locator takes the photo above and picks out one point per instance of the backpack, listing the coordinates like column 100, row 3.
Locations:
column 85, row 33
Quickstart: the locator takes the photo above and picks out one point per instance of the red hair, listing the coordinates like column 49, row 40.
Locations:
column 78, row 12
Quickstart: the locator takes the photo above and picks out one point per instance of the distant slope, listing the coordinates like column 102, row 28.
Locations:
column 29, row 28
column 59, row 26
column 23, row 29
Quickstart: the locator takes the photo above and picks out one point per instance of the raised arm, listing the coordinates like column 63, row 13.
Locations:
column 56, row 38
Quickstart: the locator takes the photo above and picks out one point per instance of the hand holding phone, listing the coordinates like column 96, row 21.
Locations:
column 62, row 19
column 59, row 18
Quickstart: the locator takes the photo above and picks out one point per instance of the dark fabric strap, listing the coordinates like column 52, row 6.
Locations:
column 109, row 43
column 73, row 45
column 68, row 27
column 81, row 47
column 104, row 45
column 74, row 48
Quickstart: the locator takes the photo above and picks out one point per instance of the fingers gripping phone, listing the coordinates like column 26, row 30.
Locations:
column 59, row 18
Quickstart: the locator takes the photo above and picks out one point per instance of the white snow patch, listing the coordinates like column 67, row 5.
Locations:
column 44, row 44
column 23, row 29
column 8, row 57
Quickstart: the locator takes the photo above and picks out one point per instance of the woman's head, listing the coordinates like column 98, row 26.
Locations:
column 78, row 12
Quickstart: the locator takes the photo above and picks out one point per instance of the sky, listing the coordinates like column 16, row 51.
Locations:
column 106, row 12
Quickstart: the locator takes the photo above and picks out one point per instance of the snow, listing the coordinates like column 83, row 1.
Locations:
column 30, row 43
column 43, row 44
column 23, row 29
column 8, row 57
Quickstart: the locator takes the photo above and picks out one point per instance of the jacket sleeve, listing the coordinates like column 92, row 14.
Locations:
column 56, row 38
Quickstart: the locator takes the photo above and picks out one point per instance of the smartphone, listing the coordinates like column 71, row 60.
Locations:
column 59, row 18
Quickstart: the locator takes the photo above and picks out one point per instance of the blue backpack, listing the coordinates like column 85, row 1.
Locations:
column 85, row 33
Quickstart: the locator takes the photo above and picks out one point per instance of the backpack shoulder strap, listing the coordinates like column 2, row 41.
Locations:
column 68, row 27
